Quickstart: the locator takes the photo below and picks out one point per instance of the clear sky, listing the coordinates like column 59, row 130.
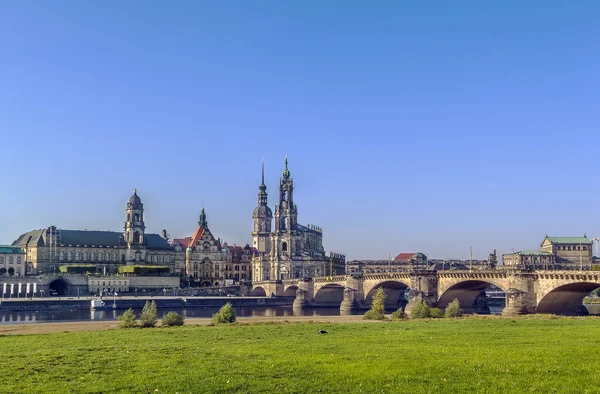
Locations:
column 410, row 126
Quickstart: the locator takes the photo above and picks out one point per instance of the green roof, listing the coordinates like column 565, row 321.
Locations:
column 569, row 240
column 7, row 249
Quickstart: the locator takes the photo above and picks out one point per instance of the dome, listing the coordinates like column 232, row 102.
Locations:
column 188, row 249
column 135, row 199
column 262, row 211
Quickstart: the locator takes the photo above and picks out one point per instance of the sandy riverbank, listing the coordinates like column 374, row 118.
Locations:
column 46, row 328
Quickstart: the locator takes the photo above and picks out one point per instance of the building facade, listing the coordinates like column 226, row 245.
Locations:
column 289, row 250
column 210, row 262
column 555, row 253
column 47, row 249
column 12, row 261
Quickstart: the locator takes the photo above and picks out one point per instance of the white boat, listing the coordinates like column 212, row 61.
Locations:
column 98, row 304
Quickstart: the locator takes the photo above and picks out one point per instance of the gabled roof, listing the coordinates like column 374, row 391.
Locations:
column 31, row 238
column 184, row 242
column 568, row 240
column 197, row 235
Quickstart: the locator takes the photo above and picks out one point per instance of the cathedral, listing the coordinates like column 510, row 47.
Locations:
column 290, row 250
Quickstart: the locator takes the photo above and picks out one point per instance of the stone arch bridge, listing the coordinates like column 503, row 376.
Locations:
column 527, row 291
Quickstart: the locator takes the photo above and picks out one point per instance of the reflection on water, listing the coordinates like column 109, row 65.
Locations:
column 87, row 314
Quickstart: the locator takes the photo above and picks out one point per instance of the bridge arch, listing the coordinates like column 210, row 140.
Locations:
column 290, row 291
column 394, row 293
column 60, row 286
column 259, row 292
column 566, row 299
column 470, row 294
column 330, row 294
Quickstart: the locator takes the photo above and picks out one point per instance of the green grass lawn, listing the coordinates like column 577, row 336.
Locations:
column 435, row 356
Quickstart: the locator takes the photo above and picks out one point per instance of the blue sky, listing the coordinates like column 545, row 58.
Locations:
column 410, row 126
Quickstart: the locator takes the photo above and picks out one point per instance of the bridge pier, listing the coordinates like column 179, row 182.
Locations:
column 349, row 303
column 423, row 288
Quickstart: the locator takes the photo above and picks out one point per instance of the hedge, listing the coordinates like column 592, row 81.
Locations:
column 143, row 269
column 77, row 268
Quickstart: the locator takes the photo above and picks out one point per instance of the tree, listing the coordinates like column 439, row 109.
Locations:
column 420, row 311
column 149, row 315
column 172, row 319
column 225, row 315
column 127, row 319
column 2, row 271
column 436, row 313
column 11, row 271
column 377, row 311
column 453, row 309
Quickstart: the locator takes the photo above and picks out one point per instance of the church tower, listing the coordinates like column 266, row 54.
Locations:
column 134, row 226
column 262, row 217
column 286, row 215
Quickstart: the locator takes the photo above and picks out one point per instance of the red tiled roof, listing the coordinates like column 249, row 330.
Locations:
column 197, row 235
column 404, row 256
column 185, row 242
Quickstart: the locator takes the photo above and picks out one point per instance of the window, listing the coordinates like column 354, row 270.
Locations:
column 84, row 256
column 93, row 256
column 61, row 255
column 69, row 256
column 10, row 260
column 19, row 260
column 1, row 259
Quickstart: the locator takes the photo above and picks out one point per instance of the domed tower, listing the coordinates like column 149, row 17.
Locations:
column 262, row 217
column 134, row 226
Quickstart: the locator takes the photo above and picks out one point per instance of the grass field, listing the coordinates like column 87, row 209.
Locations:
column 436, row 356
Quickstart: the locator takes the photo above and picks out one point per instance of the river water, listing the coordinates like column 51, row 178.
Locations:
column 67, row 314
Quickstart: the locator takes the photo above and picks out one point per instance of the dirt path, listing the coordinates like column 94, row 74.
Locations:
column 46, row 328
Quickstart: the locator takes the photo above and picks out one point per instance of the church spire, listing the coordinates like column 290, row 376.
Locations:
column 263, row 172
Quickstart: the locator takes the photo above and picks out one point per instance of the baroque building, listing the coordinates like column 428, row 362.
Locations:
column 47, row 249
column 290, row 250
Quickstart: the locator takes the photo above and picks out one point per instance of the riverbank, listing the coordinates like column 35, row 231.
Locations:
column 78, row 326
column 485, row 354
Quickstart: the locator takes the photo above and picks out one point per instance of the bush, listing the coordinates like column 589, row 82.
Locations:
column 398, row 315
column 143, row 269
column 436, row 313
column 172, row 319
column 420, row 311
column 127, row 319
column 149, row 315
column 453, row 309
column 225, row 315
column 11, row 271
column 377, row 311
column 77, row 268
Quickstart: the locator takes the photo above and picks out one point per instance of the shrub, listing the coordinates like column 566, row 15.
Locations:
column 172, row 319
column 143, row 269
column 127, row 319
column 377, row 310
column 420, row 311
column 149, row 315
column 11, row 271
column 453, row 309
column 436, row 313
column 2, row 271
column 225, row 315
column 77, row 268
column 397, row 315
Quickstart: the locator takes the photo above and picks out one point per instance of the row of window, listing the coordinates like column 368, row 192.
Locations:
column 216, row 267
column 571, row 247
column 11, row 260
column 108, row 282
column 85, row 256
